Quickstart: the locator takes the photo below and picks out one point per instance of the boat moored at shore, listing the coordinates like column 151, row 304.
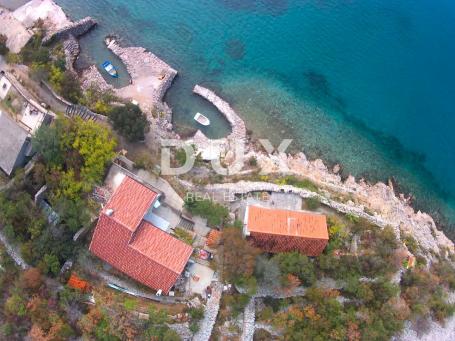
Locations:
column 110, row 69
column 201, row 119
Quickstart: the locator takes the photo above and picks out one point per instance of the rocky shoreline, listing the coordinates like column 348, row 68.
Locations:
column 152, row 77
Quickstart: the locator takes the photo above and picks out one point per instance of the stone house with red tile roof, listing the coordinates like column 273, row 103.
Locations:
column 126, row 238
column 275, row 230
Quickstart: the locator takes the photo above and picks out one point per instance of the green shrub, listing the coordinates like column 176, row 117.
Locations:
column 410, row 243
column 180, row 157
column 130, row 304
column 298, row 182
column 312, row 203
column 296, row 264
column 196, row 314
column 215, row 213
column 130, row 122
column 184, row 235
column 252, row 161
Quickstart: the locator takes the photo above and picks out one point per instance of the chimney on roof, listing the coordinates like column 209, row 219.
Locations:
column 109, row 212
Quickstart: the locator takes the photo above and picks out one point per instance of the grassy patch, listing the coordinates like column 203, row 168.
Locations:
column 184, row 235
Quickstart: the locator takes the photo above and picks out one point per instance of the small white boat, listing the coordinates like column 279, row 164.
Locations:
column 201, row 119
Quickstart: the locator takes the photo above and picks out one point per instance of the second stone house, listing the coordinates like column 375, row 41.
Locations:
column 275, row 230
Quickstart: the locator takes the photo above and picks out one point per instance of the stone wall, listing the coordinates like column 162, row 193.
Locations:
column 72, row 50
column 76, row 29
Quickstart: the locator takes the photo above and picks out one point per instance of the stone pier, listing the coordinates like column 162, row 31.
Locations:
column 213, row 148
column 237, row 124
column 150, row 76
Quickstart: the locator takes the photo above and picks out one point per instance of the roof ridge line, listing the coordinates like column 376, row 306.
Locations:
column 159, row 263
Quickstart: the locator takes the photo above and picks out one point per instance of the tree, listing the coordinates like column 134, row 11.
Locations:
column 296, row 264
column 73, row 213
column 47, row 142
column 70, row 87
column 15, row 306
column 130, row 122
column 268, row 272
column 239, row 255
column 50, row 264
column 31, row 279
column 215, row 213
column 157, row 326
column 95, row 145
column 3, row 48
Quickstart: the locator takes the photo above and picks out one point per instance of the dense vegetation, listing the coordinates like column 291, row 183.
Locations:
column 29, row 306
column 215, row 213
column 74, row 155
column 130, row 122
column 48, row 64
column 365, row 303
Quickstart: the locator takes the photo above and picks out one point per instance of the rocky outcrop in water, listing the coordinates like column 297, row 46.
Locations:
column 75, row 29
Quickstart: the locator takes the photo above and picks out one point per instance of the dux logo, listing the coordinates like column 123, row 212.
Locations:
column 235, row 166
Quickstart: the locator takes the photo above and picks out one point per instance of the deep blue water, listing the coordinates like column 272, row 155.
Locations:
column 370, row 83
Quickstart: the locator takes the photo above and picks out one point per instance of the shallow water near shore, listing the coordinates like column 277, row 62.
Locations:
column 368, row 84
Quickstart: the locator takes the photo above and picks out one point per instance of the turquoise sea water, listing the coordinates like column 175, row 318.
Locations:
column 369, row 84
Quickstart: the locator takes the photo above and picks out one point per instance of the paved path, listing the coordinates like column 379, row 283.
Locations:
column 13, row 252
column 133, row 290
column 210, row 314
column 249, row 316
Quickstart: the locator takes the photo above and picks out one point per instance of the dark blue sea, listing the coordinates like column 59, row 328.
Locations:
column 366, row 83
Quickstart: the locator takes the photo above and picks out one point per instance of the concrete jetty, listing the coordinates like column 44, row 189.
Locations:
column 150, row 76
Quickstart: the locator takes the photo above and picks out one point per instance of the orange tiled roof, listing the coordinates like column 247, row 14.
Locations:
column 130, row 203
column 161, row 247
column 287, row 223
column 134, row 246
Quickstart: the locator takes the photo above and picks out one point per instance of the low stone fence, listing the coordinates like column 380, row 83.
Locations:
column 245, row 187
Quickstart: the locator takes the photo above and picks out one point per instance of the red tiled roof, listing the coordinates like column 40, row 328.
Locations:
column 130, row 203
column 134, row 246
column 287, row 223
column 161, row 247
